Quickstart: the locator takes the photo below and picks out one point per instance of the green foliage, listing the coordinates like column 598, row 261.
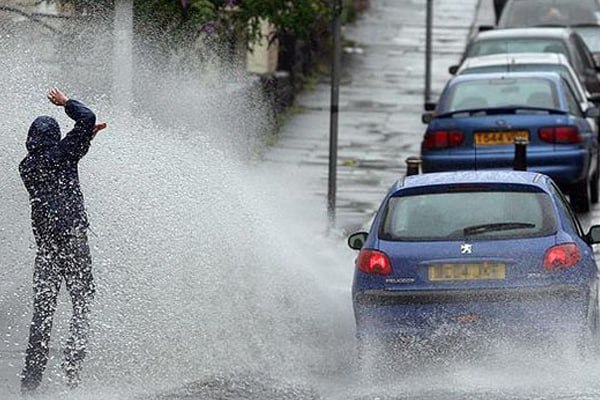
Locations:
column 297, row 17
column 349, row 13
column 174, row 20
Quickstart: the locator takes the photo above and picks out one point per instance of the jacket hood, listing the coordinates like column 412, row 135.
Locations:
column 43, row 132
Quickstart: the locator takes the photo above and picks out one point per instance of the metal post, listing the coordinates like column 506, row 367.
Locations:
column 520, row 161
column 333, row 125
column 413, row 166
column 428, row 45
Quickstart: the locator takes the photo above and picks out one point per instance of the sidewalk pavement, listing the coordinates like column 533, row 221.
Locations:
column 381, row 102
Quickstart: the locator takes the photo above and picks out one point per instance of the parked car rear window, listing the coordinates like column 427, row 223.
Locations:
column 487, row 93
column 472, row 215
column 486, row 47
column 559, row 69
column 525, row 13
column 591, row 36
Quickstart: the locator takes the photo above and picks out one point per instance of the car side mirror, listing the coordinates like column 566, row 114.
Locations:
column 427, row 117
column 592, row 112
column 357, row 240
column 593, row 236
column 483, row 28
column 453, row 69
column 597, row 68
column 430, row 106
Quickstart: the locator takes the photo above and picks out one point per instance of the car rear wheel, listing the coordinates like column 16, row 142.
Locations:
column 595, row 327
column 375, row 354
column 498, row 7
column 580, row 196
column 590, row 337
column 368, row 354
column 594, row 186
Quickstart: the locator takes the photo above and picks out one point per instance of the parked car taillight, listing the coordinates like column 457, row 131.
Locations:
column 374, row 262
column 443, row 139
column 560, row 134
column 562, row 256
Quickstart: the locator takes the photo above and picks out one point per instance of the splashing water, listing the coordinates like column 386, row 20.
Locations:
column 203, row 264
column 214, row 278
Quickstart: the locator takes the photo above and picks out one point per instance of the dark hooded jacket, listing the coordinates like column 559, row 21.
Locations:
column 50, row 174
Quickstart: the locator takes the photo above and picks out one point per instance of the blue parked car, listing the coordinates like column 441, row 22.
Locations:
column 485, row 250
column 479, row 117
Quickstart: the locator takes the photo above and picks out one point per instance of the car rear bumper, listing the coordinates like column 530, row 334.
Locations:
column 564, row 167
column 548, row 308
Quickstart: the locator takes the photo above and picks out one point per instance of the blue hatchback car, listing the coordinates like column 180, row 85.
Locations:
column 479, row 117
column 475, row 249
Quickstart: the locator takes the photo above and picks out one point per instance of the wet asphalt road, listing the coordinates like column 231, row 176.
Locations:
column 381, row 103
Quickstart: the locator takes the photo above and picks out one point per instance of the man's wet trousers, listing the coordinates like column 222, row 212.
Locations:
column 64, row 257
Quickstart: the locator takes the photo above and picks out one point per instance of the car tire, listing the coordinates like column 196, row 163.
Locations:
column 594, row 186
column 498, row 8
column 594, row 325
column 368, row 356
column 580, row 197
column 375, row 354
column 361, row 352
column 589, row 345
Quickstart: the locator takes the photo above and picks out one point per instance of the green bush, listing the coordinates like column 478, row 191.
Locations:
column 174, row 21
column 296, row 17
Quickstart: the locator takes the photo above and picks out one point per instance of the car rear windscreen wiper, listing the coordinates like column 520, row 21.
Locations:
column 550, row 25
column 584, row 25
column 499, row 226
column 509, row 109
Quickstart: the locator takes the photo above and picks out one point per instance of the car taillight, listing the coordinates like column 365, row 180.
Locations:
column 443, row 139
column 374, row 262
column 560, row 134
column 562, row 256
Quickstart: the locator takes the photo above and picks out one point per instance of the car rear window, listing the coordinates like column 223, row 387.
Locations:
column 591, row 37
column 525, row 13
column 501, row 92
column 559, row 69
column 486, row 47
column 469, row 215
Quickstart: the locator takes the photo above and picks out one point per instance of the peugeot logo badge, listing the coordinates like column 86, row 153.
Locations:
column 502, row 123
column 466, row 248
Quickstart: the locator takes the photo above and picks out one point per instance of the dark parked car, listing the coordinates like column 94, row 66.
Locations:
column 538, row 40
column 479, row 117
column 582, row 15
column 529, row 13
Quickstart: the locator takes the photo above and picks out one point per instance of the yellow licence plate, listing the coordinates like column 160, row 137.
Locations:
column 466, row 272
column 498, row 138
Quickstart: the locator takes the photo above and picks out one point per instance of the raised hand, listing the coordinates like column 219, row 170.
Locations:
column 57, row 97
column 99, row 126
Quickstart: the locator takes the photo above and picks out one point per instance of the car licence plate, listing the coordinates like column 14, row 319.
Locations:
column 499, row 138
column 467, row 272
